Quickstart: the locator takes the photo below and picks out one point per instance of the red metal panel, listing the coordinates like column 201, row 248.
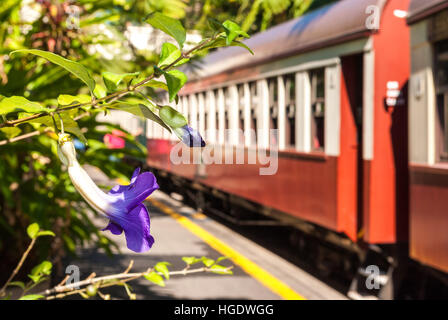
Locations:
column 388, row 192
column 348, row 159
column 304, row 185
column 428, row 216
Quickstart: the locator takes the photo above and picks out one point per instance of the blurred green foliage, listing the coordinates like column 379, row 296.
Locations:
column 34, row 187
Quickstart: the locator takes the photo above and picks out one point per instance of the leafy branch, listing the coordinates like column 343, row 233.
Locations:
column 34, row 232
column 226, row 34
column 91, row 285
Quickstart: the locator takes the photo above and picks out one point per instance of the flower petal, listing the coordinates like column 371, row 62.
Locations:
column 144, row 185
column 113, row 228
column 135, row 175
column 136, row 226
column 190, row 136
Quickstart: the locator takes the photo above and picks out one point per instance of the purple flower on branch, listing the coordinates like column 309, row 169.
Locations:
column 190, row 136
column 122, row 204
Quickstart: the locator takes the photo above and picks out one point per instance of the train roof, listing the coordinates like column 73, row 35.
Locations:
column 421, row 9
column 335, row 23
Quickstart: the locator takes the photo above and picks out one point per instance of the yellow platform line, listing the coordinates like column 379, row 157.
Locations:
column 264, row 277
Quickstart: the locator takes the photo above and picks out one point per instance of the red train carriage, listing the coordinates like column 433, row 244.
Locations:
column 428, row 133
column 334, row 86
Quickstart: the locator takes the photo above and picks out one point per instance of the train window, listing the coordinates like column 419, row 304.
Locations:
column 290, row 102
column 317, row 79
column 441, row 64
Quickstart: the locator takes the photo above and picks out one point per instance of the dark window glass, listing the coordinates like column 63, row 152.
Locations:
column 290, row 123
column 317, row 78
column 253, row 111
column 441, row 74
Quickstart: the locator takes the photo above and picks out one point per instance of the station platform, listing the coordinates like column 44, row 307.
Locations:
column 180, row 231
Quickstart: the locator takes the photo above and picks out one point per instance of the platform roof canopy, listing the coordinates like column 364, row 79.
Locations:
column 336, row 23
column 420, row 9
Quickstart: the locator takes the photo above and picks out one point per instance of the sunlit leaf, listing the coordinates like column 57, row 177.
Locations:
column 168, row 25
column 20, row 104
column 220, row 269
column 233, row 31
column 156, row 84
column 175, row 80
column 32, row 230
column 191, row 260
column 163, row 269
column 66, row 99
column 113, row 80
column 172, row 117
column 222, row 42
column 70, row 125
column 100, row 91
column 45, row 233
column 75, row 68
column 207, row 261
column 139, row 110
column 11, row 132
column 155, row 278
column 170, row 53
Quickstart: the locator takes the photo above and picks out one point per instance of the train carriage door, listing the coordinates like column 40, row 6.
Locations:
column 351, row 137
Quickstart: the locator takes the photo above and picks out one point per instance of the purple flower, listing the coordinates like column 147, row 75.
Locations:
column 190, row 136
column 129, row 214
column 122, row 205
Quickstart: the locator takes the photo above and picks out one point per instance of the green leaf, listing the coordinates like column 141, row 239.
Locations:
column 112, row 80
column 169, row 54
column 220, row 269
column 163, row 269
column 44, row 268
column 221, row 259
column 100, row 91
column 172, row 117
column 175, row 80
column 168, row 25
column 32, row 230
column 66, row 99
column 156, row 84
column 233, row 30
column 215, row 24
column 70, row 125
column 181, row 62
column 139, row 110
column 191, row 260
column 20, row 104
column 222, row 42
column 11, row 132
column 17, row 284
column 35, row 278
column 45, row 233
column 207, row 261
column 155, row 278
column 75, row 68
column 31, row 297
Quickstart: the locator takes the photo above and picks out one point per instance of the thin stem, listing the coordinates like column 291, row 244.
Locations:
column 19, row 265
column 105, row 281
column 36, row 133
